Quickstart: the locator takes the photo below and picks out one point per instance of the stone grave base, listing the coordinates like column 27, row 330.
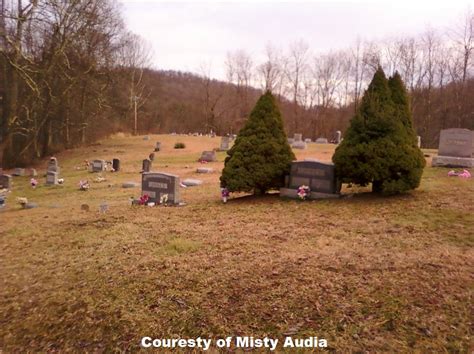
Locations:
column 448, row 161
column 299, row 145
column 293, row 193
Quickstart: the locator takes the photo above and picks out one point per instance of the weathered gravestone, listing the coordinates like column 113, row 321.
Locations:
column 51, row 178
column 33, row 173
column 157, row 146
column 299, row 145
column 307, row 140
column 53, row 165
column 337, row 140
column 19, row 172
column 191, row 182
column 156, row 185
column 298, row 137
column 318, row 176
column 456, row 148
column 225, row 143
column 290, row 140
column 418, row 141
column 208, row 156
column 5, row 182
column 116, row 165
column 146, row 165
column 151, row 157
column 99, row 165
column 321, row 141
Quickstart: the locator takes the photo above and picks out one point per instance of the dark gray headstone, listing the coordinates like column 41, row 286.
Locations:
column 51, row 178
column 156, row 185
column 99, row 165
column 208, row 156
column 5, row 182
column 146, row 165
column 456, row 142
column 157, row 146
column 116, row 165
column 318, row 176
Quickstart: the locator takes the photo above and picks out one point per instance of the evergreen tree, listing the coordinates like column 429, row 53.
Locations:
column 379, row 146
column 261, row 156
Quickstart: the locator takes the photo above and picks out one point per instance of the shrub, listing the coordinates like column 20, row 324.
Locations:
column 179, row 146
column 380, row 143
column 261, row 156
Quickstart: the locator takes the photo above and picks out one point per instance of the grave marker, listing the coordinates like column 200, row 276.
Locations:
column 5, row 182
column 318, row 176
column 456, row 148
column 156, row 185
column 98, row 165
column 146, row 165
column 208, row 156
column 52, row 178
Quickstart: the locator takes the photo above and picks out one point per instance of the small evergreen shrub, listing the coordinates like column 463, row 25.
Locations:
column 380, row 144
column 261, row 156
column 179, row 146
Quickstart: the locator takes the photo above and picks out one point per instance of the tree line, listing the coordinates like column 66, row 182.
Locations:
column 72, row 73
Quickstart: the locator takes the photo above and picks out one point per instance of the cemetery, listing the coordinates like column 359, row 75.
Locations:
column 148, row 207
column 243, row 250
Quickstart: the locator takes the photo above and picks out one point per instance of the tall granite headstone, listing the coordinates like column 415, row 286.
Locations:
column 146, row 165
column 53, row 165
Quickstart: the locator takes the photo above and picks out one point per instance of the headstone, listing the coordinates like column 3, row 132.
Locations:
column 307, row 140
column 103, row 207
column 33, row 173
column 116, row 165
column 338, row 137
column 5, row 182
column 129, row 185
column 2, row 201
column 190, row 182
column 157, row 146
column 204, row 170
column 53, row 165
column 208, row 156
column 19, row 172
column 146, row 165
column 298, row 137
column 225, row 142
column 320, row 177
column 146, row 137
column 156, row 185
column 291, row 141
column 456, row 148
column 418, row 141
column 321, row 141
column 51, row 178
column 99, row 165
column 299, row 145
column 151, row 157
column 30, row 205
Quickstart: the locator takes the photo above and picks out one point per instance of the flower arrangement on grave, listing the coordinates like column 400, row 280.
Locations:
column 224, row 194
column 33, row 182
column 303, row 192
column 463, row 174
column 99, row 179
column 84, row 185
column 164, row 199
column 22, row 201
column 144, row 199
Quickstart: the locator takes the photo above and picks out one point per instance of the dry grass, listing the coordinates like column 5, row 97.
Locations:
column 367, row 273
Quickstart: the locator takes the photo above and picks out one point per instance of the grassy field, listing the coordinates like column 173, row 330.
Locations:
column 369, row 274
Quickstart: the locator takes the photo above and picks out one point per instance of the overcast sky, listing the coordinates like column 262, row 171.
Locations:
column 184, row 35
